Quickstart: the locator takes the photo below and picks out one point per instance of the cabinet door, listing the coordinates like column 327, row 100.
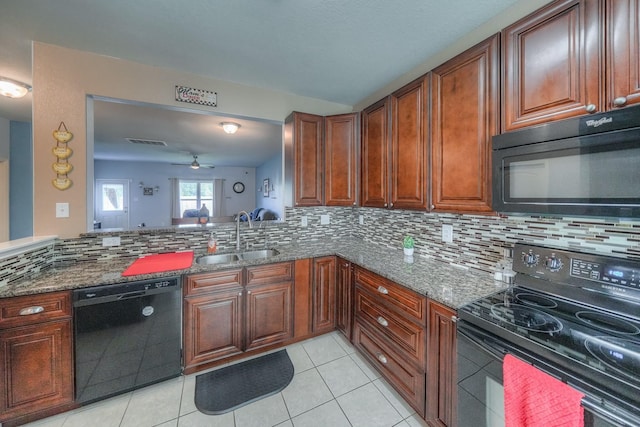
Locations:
column 464, row 116
column 341, row 159
column 303, row 133
column 269, row 316
column 375, row 155
column 441, row 375
column 324, row 294
column 409, row 146
column 212, row 327
column 36, row 368
column 551, row 64
column 344, row 297
column 623, row 53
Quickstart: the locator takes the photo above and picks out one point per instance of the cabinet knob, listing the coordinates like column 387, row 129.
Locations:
column 385, row 205
column 620, row 101
column 391, row 204
column 248, row 292
column 382, row 358
column 383, row 290
column 433, row 206
column 454, row 319
column 28, row 311
column 354, row 203
column 591, row 108
column 382, row 321
column 240, row 294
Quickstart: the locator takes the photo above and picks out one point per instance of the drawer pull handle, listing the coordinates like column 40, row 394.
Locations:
column 382, row 358
column 28, row 311
column 383, row 290
column 382, row 321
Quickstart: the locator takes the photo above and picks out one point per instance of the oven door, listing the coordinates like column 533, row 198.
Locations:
column 479, row 383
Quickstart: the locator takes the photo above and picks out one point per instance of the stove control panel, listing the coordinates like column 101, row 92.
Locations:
column 606, row 272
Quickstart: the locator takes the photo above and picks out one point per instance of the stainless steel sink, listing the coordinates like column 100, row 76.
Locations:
column 217, row 259
column 260, row 254
column 242, row 256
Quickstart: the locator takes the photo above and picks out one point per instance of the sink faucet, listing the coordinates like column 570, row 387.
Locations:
column 238, row 227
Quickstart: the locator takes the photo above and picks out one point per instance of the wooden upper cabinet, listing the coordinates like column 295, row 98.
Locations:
column 465, row 99
column 551, row 64
column 303, row 143
column 341, row 159
column 623, row 53
column 409, row 120
column 375, row 155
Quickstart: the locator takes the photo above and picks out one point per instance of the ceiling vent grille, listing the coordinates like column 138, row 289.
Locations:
column 146, row 142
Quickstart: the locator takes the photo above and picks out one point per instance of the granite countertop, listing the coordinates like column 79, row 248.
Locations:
column 450, row 285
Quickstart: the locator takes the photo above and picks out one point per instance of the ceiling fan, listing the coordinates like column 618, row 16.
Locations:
column 195, row 164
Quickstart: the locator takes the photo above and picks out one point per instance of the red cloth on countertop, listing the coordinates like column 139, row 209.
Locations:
column 157, row 263
column 535, row 399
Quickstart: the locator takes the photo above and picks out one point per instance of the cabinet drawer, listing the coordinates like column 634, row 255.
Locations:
column 270, row 273
column 214, row 281
column 19, row 311
column 409, row 337
column 393, row 295
column 406, row 379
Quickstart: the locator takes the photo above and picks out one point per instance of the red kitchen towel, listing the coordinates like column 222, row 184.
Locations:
column 535, row 399
column 157, row 263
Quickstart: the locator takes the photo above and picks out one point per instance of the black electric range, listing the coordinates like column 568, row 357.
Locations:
column 576, row 314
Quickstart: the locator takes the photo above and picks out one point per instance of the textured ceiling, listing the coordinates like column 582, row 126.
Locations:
column 340, row 51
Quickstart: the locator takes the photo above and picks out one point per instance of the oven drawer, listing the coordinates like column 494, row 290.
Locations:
column 393, row 295
column 409, row 337
column 404, row 377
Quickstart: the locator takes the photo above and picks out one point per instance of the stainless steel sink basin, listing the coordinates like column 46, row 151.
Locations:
column 217, row 259
column 260, row 254
column 242, row 256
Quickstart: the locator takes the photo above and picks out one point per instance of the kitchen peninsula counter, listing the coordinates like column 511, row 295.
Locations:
column 450, row 285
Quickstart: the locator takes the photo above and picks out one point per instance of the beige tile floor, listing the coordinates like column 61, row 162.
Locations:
column 332, row 386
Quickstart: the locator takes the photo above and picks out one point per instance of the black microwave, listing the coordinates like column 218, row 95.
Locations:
column 586, row 166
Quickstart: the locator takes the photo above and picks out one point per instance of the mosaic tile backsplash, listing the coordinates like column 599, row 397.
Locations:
column 478, row 241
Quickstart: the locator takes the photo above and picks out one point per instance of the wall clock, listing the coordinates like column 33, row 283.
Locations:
column 238, row 187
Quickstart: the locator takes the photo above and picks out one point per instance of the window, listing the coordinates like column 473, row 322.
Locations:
column 193, row 194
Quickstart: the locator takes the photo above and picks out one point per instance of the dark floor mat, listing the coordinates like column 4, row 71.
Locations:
column 229, row 388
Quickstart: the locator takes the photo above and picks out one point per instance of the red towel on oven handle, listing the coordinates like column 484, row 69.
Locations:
column 534, row 399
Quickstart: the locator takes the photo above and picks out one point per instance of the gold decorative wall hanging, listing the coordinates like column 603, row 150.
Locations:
column 62, row 167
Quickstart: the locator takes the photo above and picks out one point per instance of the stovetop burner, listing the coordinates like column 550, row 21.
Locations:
column 607, row 322
column 621, row 354
column 536, row 300
column 526, row 317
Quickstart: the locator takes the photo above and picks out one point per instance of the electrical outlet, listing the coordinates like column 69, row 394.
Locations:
column 325, row 219
column 62, row 210
column 361, row 219
column 303, row 221
column 111, row 241
column 447, row 233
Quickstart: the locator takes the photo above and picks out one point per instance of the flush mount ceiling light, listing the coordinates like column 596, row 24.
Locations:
column 13, row 88
column 230, row 127
column 195, row 164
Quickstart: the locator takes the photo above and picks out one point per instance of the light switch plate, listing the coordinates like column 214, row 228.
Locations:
column 303, row 221
column 447, row 233
column 62, row 210
column 361, row 219
column 325, row 219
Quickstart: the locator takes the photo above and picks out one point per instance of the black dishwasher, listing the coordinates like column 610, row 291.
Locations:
column 126, row 336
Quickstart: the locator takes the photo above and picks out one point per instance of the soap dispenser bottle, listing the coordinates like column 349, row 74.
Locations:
column 212, row 245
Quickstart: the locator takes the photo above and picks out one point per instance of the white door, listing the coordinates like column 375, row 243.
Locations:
column 112, row 203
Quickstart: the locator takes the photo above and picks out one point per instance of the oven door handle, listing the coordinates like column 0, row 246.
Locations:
column 597, row 408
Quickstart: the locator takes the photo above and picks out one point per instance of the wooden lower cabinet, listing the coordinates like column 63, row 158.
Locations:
column 36, row 357
column 344, row 297
column 324, row 294
column 441, row 362
column 390, row 330
column 269, row 314
column 232, row 311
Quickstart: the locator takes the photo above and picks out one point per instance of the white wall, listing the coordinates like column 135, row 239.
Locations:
column 155, row 211
column 5, row 143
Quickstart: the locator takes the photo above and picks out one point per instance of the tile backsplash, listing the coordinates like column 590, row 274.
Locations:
column 478, row 241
